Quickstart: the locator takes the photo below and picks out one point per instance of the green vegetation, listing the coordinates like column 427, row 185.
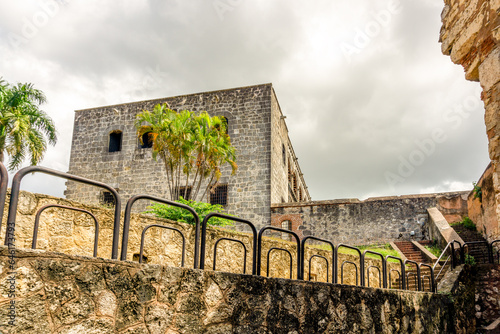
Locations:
column 467, row 223
column 181, row 215
column 435, row 250
column 469, row 259
column 382, row 249
column 193, row 148
column 478, row 193
column 23, row 126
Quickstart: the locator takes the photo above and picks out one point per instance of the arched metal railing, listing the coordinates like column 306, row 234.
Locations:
column 48, row 206
column 361, row 263
column 283, row 250
column 382, row 273
column 233, row 240
column 143, row 238
column 128, row 212
column 14, row 199
column 259, row 247
column 235, row 219
column 302, row 252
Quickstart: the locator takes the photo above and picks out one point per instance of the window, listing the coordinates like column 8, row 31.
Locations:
column 185, row 192
column 286, row 225
column 226, row 122
column 147, row 141
column 107, row 199
column 219, row 195
column 284, row 153
column 115, row 141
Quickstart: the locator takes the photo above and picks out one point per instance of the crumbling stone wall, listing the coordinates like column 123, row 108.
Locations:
column 250, row 112
column 375, row 220
column 57, row 293
column 470, row 36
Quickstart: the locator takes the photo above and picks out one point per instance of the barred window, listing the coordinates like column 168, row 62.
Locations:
column 107, row 199
column 283, row 153
column 185, row 192
column 286, row 225
column 219, row 195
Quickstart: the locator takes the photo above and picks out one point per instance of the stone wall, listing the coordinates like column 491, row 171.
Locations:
column 375, row 220
column 56, row 293
column 72, row 233
column 251, row 113
column 482, row 210
column 487, row 306
column 470, row 36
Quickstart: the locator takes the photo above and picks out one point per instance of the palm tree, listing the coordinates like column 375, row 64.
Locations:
column 188, row 144
column 23, row 126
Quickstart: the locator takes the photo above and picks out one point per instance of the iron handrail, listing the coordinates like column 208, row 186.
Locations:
column 484, row 242
column 384, row 267
column 281, row 249
column 368, row 275
column 390, row 278
column 361, row 262
column 43, row 208
column 234, row 240
column 342, row 271
column 321, row 257
column 302, row 251
column 403, row 269
column 259, row 247
column 128, row 212
column 433, row 281
column 236, row 219
column 419, row 287
column 493, row 254
column 143, row 237
column 14, row 199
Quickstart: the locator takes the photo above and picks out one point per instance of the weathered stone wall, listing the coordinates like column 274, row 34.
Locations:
column 375, row 220
column 487, row 306
column 440, row 230
column 287, row 180
column 470, row 36
column 72, row 233
column 57, row 293
column 482, row 210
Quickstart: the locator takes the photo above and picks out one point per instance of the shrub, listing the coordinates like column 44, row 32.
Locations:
column 181, row 215
column 468, row 224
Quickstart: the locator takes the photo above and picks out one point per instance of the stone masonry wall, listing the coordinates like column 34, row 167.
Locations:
column 133, row 170
column 57, row 293
column 471, row 37
column 72, row 233
column 375, row 220
column 287, row 180
column 482, row 210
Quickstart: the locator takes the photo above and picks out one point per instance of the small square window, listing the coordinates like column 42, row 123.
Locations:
column 107, row 199
column 219, row 195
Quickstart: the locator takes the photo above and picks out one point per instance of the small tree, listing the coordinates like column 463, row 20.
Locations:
column 193, row 147
column 23, row 126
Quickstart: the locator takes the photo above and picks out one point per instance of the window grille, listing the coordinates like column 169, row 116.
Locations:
column 219, row 195
column 147, row 141
column 286, row 225
column 185, row 192
column 107, row 199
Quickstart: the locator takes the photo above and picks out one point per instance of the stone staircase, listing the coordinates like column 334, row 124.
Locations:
column 410, row 251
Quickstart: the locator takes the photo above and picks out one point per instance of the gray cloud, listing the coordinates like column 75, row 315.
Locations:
column 352, row 118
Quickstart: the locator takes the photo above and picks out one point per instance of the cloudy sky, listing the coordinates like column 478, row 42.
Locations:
column 372, row 105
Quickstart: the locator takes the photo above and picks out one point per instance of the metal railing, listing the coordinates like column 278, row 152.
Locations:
column 302, row 252
column 233, row 240
column 14, row 199
column 126, row 223
column 143, row 237
column 48, row 206
column 4, row 181
column 283, row 250
column 259, row 247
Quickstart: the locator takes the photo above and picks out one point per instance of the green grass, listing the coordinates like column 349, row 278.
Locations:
column 382, row 249
column 435, row 250
column 467, row 223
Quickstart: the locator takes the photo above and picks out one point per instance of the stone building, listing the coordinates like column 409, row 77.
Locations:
column 105, row 148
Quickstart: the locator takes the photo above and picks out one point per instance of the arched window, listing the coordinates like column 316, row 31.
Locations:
column 115, row 141
column 147, row 141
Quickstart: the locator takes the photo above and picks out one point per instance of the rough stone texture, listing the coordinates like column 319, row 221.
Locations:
column 72, row 233
column 482, row 211
column 375, row 220
column 459, row 285
column 252, row 114
column 470, row 36
column 58, row 293
column 440, row 230
column 487, row 294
